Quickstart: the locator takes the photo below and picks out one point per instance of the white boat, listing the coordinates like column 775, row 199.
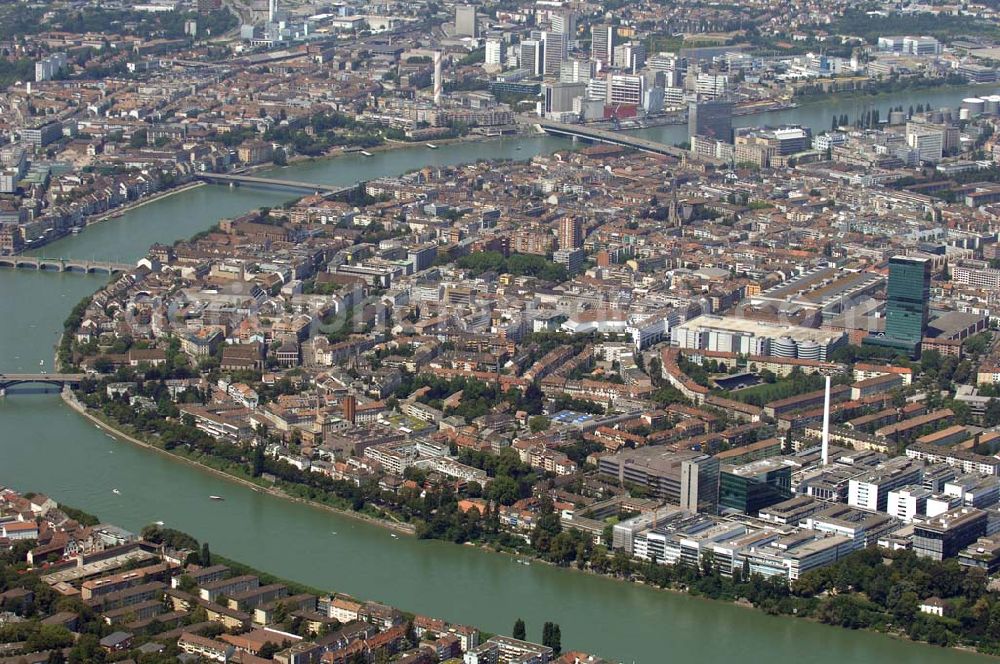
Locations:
column 159, row 523
column 432, row 146
column 366, row 153
column 393, row 535
column 116, row 492
column 216, row 498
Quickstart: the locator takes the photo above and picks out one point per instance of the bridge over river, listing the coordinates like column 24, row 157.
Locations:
column 620, row 138
column 327, row 190
column 63, row 264
column 57, row 379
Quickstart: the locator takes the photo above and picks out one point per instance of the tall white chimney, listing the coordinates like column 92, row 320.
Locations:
column 826, row 423
column 437, row 78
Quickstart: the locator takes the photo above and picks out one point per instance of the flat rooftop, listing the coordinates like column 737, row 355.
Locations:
column 760, row 328
column 755, row 467
column 950, row 324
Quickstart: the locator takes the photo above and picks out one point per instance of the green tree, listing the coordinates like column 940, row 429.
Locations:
column 187, row 583
column 519, row 630
column 991, row 417
column 552, row 636
column 139, row 139
column 258, row 459
column 206, row 555
column 539, row 423
column 534, row 399
column 503, row 490
column 268, row 650
column 546, row 529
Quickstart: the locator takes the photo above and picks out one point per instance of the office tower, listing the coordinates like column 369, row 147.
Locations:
column 576, row 71
column 555, row 52
column 602, row 43
column 907, row 299
column 570, row 233
column 630, row 57
column 946, row 534
column 532, row 56
column 712, row 119
column 496, row 52
column 672, row 67
column 47, row 68
column 753, row 486
column 597, row 89
column 626, row 89
column 700, row 484
column 709, row 86
column 465, row 21
column 564, row 23
column 926, row 142
column 686, row 478
column 571, row 259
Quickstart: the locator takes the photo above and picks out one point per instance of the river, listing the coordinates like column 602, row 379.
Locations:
column 46, row 447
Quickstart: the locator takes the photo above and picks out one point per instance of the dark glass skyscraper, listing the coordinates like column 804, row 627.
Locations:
column 713, row 119
column 907, row 304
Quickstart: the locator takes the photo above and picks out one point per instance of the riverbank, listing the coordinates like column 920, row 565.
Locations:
column 823, row 99
column 391, row 145
column 771, row 596
column 135, row 205
column 70, row 400
column 119, row 211
column 158, row 543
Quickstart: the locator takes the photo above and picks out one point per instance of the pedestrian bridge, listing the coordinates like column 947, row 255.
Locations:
column 57, row 379
column 63, row 265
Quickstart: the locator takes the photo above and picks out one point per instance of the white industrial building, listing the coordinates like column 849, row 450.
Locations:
column 871, row 491
column 908, row 502
column 751, row 337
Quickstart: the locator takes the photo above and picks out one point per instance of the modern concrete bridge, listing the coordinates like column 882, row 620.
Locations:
column 620, row 138
column 275, row 183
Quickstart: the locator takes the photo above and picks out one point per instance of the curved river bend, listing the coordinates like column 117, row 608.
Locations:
column 47, row 447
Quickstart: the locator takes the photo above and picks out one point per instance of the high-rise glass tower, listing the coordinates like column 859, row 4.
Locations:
column 907, row 304
column 713, row 119
column 908, row 296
